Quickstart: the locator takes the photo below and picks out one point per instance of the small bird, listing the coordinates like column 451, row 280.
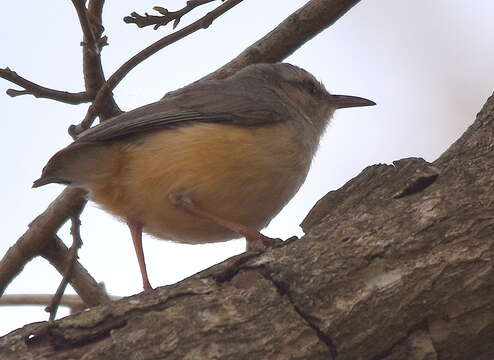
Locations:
column 213, row 161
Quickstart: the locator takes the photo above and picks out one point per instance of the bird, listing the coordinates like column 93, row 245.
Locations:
column 213, row 161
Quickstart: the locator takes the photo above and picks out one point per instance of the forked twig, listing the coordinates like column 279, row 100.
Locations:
column 166, row 15
column 118, row 75
column 31, row 88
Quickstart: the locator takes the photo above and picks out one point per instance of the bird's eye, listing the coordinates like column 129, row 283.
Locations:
column 312, row 88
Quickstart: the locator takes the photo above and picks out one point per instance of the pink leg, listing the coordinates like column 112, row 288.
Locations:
column 136, row 233
column 255, row 240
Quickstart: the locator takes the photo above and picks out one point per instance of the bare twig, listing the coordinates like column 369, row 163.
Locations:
column 41, row 91
column 73, row 302
column 89, row 43
column 71, row 259
column 93, row 42
column 94, row 78
column 167, row 16
column 83, row 283
column 118, row 75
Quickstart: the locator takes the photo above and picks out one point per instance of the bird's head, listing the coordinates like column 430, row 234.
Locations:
column 303, row 91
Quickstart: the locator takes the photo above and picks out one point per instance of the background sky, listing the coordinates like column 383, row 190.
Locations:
column 427, row 64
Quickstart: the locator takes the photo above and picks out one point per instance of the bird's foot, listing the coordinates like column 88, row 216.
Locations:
column 255, row 240
column 259, row 242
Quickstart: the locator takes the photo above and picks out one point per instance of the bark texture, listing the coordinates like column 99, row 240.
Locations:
column 397, row 264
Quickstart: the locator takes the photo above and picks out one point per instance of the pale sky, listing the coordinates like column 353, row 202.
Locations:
column 427, row 64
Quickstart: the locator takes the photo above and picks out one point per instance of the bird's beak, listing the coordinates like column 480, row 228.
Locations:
column 346, row 101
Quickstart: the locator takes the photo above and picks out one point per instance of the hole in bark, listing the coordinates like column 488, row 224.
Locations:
column 418, row 185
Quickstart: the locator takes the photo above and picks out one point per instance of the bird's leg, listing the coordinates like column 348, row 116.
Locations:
column 255, row 240
column 136, row 233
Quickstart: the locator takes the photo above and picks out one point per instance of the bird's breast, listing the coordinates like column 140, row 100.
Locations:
column 243, row 174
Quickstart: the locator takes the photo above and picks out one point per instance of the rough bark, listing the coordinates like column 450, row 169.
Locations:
column 397, row 264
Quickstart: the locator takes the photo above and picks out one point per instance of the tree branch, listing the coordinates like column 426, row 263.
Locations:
column 73, row 302
column 91, row 24
column 40, row 239
column 89, row 43
column 288, row 36
column 93, row 42
column 41, row 91
column 118, row 75
column 75, row 231
column 90, row 291
column 167, row 16
column 39, row 233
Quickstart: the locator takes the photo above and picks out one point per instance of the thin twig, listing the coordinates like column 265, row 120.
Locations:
column 71, row 259
column 73, row 302
column 90, row 291
column 118, row 75
column 93, row 42
column 89, row 38
column 166, row 16
column 94, row 78
column 41, row 91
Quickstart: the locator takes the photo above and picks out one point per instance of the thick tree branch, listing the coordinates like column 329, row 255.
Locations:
column 291, row 34
column 39, row 234
column 118, row 75
column 167, row 16
column 41, row 91
column 40, row 239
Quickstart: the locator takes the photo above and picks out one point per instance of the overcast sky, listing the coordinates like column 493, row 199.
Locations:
column 427, row 64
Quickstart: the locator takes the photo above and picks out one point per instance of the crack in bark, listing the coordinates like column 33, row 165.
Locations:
column 283, row 290
column 234, row 268
column 417, row 185
column 420, row 326
column 428, row 330
column 58, row 338
column 238, row 265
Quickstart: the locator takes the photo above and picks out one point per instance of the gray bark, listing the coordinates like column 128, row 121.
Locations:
column 397, row 264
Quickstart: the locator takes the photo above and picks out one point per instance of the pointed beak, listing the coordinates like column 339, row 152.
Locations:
column 346, row 101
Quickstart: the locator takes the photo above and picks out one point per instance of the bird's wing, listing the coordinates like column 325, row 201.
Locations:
column 208, row 102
